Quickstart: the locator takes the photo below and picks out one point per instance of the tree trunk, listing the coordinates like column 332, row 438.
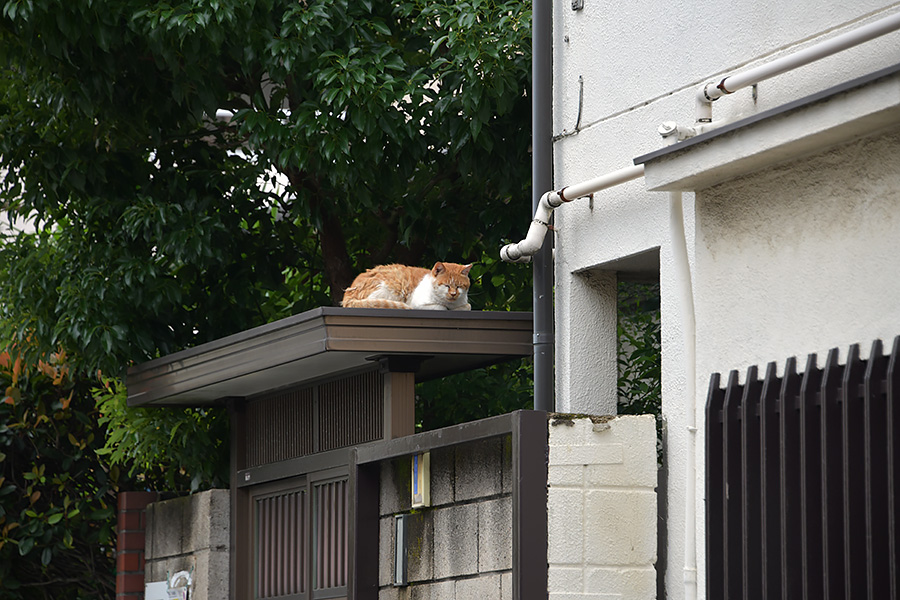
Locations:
column 339, row 272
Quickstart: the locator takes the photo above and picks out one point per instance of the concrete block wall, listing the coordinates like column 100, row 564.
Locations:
column 601, row 508
column 461, row 546
column 191, row 533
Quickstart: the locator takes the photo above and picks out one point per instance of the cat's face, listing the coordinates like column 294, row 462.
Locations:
column 451, row 282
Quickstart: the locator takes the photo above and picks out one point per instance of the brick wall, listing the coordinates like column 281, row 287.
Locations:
column 461, row 546
column 601, row 504
column 131, row 527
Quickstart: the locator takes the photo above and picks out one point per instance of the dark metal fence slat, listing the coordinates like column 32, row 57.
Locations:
column 810, row 481
column 732, row 459
column 832, row 480
column 876, row 490
column 892, row 420
column 791, row 581
column 854, row 475
column 750, row 485
column 715, row 490
column 769, row 484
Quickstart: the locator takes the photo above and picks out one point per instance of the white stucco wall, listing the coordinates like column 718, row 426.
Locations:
column 808, row 253
column 641, row 65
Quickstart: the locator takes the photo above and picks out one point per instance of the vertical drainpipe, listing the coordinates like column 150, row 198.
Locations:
column 542, row 180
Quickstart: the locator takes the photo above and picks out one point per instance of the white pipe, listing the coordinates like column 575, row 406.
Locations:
column 522, row 252
column 731, row 83
column 685, row 295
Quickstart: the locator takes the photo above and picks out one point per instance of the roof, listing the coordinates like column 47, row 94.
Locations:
column 326, row 343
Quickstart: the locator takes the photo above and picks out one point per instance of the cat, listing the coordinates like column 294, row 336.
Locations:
column 444, row 287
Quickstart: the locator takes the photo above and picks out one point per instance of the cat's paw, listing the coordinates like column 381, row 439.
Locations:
column 465, row 306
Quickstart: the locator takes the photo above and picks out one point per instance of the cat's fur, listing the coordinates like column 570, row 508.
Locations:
column 444, row 287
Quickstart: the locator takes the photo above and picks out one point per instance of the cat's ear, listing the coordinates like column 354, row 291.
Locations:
column 467, row 268
column 438, row 268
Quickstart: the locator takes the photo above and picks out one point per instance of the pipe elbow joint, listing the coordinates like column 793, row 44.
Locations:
column 512, row 254
column 552, row 200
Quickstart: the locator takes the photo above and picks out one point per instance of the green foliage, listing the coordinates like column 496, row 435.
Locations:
column 395, row 132
column 181, row 449
column 57, row 501
column 474, row 395
column 640, row 352
column 362, row 133
column 640, row 349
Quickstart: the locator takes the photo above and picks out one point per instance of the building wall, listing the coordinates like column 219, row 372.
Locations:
column 641, row 65
column 809, row 249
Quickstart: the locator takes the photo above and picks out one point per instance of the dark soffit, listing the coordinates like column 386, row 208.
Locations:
column 324, row 343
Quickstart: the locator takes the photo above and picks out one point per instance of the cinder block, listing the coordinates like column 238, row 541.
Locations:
column 495, row 535
column 583, row 596
column 216, row 575
column 565, row 579
column 587, row 454
column 628, row 584
column 565, row 523
column 395, row 486
column 443, row 590
column 506, row 586
column 565, row 475
column 455, row 541
column 635, row 436
column 485, row 587
column 506, row 469
column 443, row 462
column 165, row 528
column 479, row 468
column 196, row 524
column 420, row 539
column 220, row 519
column 420, row 592
column 390, row 593
column 385, row 550
column 567, row 430
column 620, row 527
column 200, row 575
column 154, row 570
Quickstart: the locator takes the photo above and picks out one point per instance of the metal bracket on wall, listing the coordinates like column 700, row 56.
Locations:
column 401, row 539
column 577, row 4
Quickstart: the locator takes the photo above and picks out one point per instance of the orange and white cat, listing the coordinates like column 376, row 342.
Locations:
column 444, row 287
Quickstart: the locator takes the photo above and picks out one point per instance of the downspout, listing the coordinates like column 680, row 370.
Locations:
column 542, row 179
column 685, row 301
column 682, row 272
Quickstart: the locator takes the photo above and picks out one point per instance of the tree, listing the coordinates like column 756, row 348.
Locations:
column 57, row 501
column 197, row 168
column 387, row 131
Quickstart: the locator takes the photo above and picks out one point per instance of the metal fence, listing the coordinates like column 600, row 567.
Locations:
column 803, row 480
